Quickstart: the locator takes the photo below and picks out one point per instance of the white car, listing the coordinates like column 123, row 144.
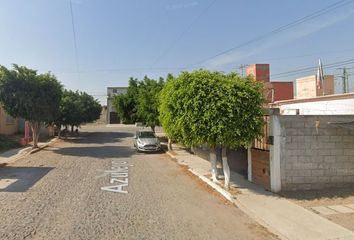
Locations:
column 146, row 141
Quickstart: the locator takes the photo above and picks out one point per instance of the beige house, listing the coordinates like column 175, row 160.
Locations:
column 112, row 116
column 306, row 87
column 8, row 124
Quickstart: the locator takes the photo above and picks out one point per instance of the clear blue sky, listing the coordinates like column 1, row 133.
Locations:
column 118, row 39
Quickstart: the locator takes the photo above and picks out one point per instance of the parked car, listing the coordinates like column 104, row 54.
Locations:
column 146, row 141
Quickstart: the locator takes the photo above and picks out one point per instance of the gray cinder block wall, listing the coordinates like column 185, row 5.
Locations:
column 316, row 152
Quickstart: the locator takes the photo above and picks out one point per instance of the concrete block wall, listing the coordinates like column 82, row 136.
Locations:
column 316, row 152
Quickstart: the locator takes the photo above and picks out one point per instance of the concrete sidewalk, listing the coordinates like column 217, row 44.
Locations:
column 280, row 216
column 14, row 154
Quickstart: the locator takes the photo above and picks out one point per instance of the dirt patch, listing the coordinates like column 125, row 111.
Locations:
column 172, row 153
column 325, row 198
column 201, row 184
column 3, row 165
column 204, row 185
column 262, row 231
column 9, row 142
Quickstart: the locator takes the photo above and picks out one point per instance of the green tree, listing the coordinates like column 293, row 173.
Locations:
column 168, row 110
column 148, row 101
column 31, row 96
column 140, row 102
column 126, row 104
column 214, row 108
column 91, row 108
column 77, row 108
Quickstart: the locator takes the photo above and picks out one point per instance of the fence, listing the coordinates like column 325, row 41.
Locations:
column 262, row 142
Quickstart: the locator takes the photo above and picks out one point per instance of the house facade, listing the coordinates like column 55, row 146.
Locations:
column 112, row 117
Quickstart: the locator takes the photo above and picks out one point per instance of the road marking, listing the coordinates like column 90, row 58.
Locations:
column 119, row 176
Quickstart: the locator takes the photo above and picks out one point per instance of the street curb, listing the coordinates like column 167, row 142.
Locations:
column 233, row 200
column 216, row 187
column 43, row 146
column 27, row 151
column 171, row 155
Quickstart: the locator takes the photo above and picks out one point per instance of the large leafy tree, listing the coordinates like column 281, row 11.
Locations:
column 34, row 97
column 126, row 104
column 77, row 108
column 140, row 102
column 148, row 101
column 169, row 110
column 214, row 108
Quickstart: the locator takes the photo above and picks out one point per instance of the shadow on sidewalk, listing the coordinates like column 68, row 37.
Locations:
column 20, row 179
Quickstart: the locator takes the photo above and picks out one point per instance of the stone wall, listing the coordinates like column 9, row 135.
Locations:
column 316, row 152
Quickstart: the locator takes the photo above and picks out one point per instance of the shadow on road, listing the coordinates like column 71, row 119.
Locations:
column 98, row 137
column 20, row 179
column 97, row 152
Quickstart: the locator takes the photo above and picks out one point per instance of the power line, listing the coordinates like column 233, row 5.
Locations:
column 279, row 29
column 187, row 29
column 310, row 69
column 74, row 36
column 305, row 55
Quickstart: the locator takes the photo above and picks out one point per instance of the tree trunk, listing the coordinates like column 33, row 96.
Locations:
column 169, row 144
column 214, row 170
column 218, row 155
column 59, row 131
column 153, row 128
column 72, row 129
column 226, row 168
column 35, row 133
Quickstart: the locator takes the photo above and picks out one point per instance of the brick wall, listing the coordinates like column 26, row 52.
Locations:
column 260, row 168
column 316, row 157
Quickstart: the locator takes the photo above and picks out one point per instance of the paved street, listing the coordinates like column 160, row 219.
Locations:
column 56, row 194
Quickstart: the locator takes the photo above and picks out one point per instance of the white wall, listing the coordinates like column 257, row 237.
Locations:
column 329, row 107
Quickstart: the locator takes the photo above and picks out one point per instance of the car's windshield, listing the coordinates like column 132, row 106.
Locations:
column 147, row 135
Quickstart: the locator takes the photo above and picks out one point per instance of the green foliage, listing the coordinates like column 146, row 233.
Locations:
column 168, row 109
column 26, row 94
column 126, row 104
column 141, row 102
column 148, row 101
column 77, row 108
column 212, row 107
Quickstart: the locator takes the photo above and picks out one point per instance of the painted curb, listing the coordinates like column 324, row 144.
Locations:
column 171, row 155
column 233, row 200
column 215, row 186
column 43, row 146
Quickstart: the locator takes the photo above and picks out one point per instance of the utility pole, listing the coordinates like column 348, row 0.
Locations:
column 345, row 77
column 242, row 67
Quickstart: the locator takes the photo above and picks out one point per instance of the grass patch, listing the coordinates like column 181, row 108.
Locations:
column 8, row 142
